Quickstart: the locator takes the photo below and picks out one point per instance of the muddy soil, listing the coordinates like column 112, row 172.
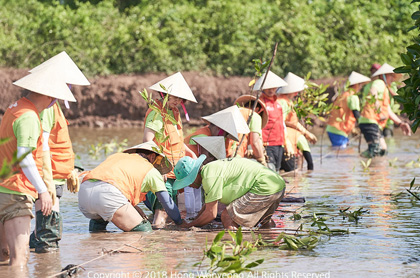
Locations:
column 114, row 100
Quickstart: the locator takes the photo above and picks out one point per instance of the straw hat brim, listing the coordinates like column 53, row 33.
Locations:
column 164, row 166
column 242, row 100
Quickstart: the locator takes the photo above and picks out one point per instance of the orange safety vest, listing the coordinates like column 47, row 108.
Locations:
column 232, row 145
column 62, row 155
column 205, row 130
column 348, row 120
column 381, row 115
column 126, row 172
column 174, row 147
column 291, row 117
column 18, row 182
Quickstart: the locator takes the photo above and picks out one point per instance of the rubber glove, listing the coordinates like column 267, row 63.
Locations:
column 73, row 183
column 47, row 175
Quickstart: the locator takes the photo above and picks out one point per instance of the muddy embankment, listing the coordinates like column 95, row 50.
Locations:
column 114, row 101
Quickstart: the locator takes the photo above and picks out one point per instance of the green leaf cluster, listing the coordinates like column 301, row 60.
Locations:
column 100, row 149
column 137, row 36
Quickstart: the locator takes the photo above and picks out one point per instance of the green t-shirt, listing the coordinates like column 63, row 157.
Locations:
column 154, row 121
column 302, row 144
column 380, row 87
column 285, row 107
column 47, row 119
column 153, row 181
column 255, row 125
column 229, row 179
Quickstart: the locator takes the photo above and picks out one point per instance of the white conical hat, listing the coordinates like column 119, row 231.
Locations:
column 356, row 78
column 272, row 81
column 213, row 144
column 175, row 85
column 230, row 120
column 63, row 63
column 47, row 81
column 294, row 84
column 384, row 69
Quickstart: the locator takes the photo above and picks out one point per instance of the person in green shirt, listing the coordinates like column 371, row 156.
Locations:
column 251, row 191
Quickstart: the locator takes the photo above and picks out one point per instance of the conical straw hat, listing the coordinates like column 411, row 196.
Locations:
column 47, row 81
column 230, row 120
column 213, row 144
column 295, row 84
column 243, row 100
column 384, row 69
column 164, row 166
column 63, row 63
column 272, row 81
column 357, row 78
column 175, row 85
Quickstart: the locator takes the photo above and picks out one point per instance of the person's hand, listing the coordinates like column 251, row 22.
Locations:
column 73, row 183
column 406, row 129
column 165, row 178
column 46, row 203
column 288, row 148
column 311, row 138
column 184, row 224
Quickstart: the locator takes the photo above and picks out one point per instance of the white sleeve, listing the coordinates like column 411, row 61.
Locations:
column 29, row 169
column 45, row 136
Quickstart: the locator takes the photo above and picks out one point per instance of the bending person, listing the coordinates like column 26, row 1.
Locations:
column 112, row 191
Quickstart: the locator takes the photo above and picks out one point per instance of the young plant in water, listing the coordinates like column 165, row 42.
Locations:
column 413, row 188
column 96, row 151
column 221, row 262
column 366, row 164
column 352, row 216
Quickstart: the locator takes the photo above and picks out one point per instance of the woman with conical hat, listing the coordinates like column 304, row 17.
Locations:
column 376, row 110
column 273, row 134
column 58, row 157
column 228, row 123
column 301, row 150
column 165, row 129
column 112, row 191
column 343, row 119
column 21, row 124
column 257, row 123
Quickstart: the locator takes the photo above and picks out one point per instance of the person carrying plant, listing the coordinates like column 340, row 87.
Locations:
column 112, row 191
column 58, row 158
column 342, row 120
column 257, row 123
column 21, row 124
column 376, row 110
column 301, row 148
column 163, row 125
column 273, row 134
column 250, row 204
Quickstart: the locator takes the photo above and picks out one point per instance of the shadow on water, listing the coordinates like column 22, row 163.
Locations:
column 384, row 242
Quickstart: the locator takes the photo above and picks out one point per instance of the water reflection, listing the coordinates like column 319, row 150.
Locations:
column 385, row 242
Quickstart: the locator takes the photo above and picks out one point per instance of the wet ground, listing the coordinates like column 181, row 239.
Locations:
column 384, row 243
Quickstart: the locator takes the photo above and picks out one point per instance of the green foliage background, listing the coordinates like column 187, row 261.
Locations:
column 325, row 37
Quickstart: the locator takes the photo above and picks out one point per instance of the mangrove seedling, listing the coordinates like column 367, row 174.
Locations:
column 366, row 164
column 352, row 216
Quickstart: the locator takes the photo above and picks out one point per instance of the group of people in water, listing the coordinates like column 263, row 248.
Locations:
column 229, row 168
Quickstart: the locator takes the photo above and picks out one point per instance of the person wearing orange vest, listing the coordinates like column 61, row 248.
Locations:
column 167, row 134
column 376, row 110
column 257, row 123
column 112, row 191
column 58, row 157
column 301, row 148
column 22, row 125
column 343, row 119
column 273, row 134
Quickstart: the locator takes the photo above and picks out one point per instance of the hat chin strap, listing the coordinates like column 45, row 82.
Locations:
column 185, row 111
column 52, row 103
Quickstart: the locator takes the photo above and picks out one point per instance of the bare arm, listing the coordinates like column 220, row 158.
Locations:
column 149, row 134
column 404, row 126
column 209, row 214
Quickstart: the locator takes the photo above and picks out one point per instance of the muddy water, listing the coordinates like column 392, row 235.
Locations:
column 384, row 243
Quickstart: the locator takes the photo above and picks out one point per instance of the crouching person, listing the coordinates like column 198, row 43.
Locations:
column 111, row 191
column 251, row 191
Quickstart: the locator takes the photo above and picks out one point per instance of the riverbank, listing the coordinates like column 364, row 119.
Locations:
column 114, row 100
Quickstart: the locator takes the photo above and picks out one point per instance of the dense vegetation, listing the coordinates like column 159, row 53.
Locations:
column 326, row 37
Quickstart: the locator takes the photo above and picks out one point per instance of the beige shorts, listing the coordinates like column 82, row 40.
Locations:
column 13, row 205
column 98, row 199
column 251, row 209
